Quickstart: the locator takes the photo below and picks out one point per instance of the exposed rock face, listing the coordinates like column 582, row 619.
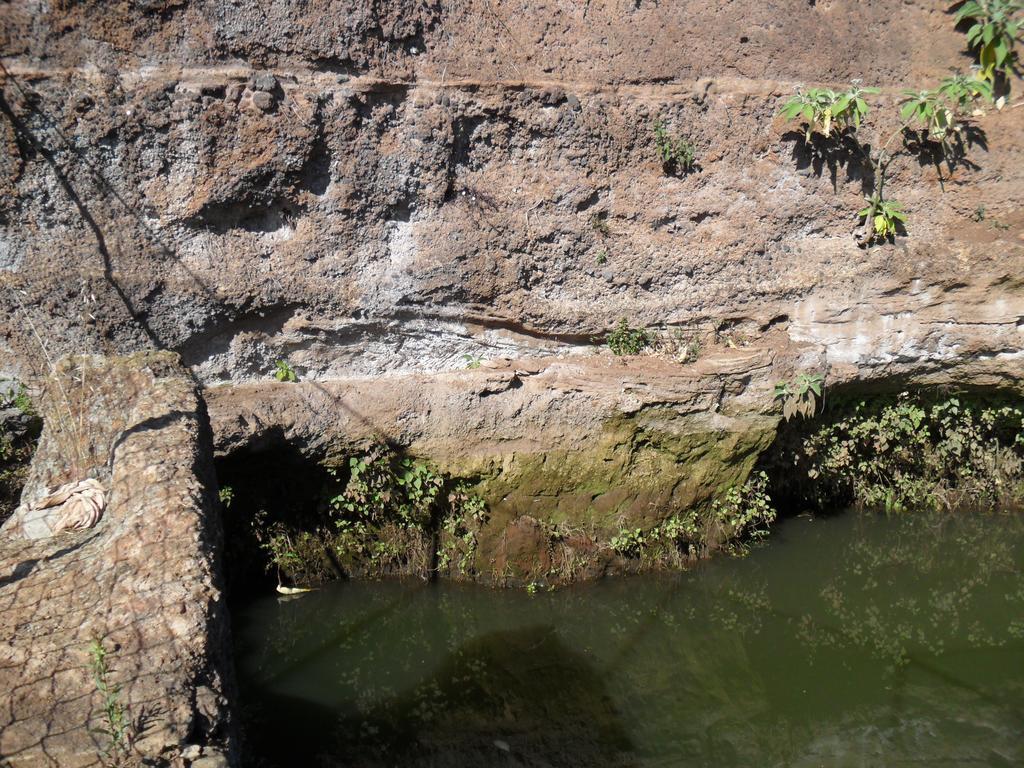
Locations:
column 590, row 442
column 385, row 187
column 374, row 189
column 144, row 581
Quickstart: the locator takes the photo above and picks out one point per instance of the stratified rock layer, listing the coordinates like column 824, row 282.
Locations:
column 371, row 188
column 144, row 581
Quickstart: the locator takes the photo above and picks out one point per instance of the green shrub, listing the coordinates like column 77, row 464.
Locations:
column 740, row 516
column 115, row 728
column 625, row 340
column 823, row 110
column 599, row 223
column 800, row 397
column 884, row 217
column 393, row 509
column 913, row 454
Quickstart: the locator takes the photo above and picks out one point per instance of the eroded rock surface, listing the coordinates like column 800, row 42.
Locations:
column 377, row 188
column 144, row 581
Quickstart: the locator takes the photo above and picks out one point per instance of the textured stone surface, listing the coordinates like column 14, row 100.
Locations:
column 144, row 581
column 374, row 189
column 367, row 188
column 596, row 444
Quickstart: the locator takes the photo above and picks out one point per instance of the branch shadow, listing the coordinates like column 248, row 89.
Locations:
column 841, row 151
column 63, row 173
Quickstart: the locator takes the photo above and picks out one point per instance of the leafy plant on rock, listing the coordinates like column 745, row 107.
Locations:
column 943, row 113
column 800, row 397
column 626, row 340
column 914, row 454
column 884, row 216
column 741, row 515
column 993, row 33
column 115, row 722
column 678, row 154
column 392, row 509
column 284, row 372
column 823, row 110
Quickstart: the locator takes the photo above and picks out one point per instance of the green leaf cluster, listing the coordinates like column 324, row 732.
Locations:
column 284, row 372
column 995, row 30
column 910, row 454
column 800, row 396
column 678, row 154
column 741, row 515
column 943, row 111
column 390, row 509
column 823, row 110
column 115, row 725
column 626, row 340
column 884, row 215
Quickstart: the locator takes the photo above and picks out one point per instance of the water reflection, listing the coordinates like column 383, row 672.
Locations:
column 856, row 640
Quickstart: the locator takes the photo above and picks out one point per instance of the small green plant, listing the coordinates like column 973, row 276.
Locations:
column 629, row 542
column 16, row 396
column 625, row 340
column 472, row 362
column 978, row 214
column 800, row 396
column 962, row 92
column 599, row 223
column 993, row 33
column 602, row 257
column 943, row 113
column 393, row 509
column 115, row 725
column 284, row 372
column 884, row 215
column 677, row 153
column 742, row 514
column 226, row 494
column 823, row 110
column 532, row 588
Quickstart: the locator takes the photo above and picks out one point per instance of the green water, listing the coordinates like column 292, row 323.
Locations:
column 857, row 640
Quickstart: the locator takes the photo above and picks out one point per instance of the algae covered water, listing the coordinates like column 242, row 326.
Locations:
column 855, row 640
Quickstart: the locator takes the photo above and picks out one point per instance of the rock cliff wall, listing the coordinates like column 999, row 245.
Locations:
column 374, row 188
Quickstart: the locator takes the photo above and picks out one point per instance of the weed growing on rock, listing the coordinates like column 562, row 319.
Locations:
column 19, row 433
column 472, row 362
column 943, row 113
column 740, row 516
column 800, row 397
column 824, row 110
column 935, row 124
column 284, row 372
column 398, row 515
column 226, row 494
column 626, row 340
column 677, row 154
column 677, row 344
column 993, row 33
column 115, row 722
column 885, row 216
column 629, row 542
column 602, row 257
column 599, row 223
